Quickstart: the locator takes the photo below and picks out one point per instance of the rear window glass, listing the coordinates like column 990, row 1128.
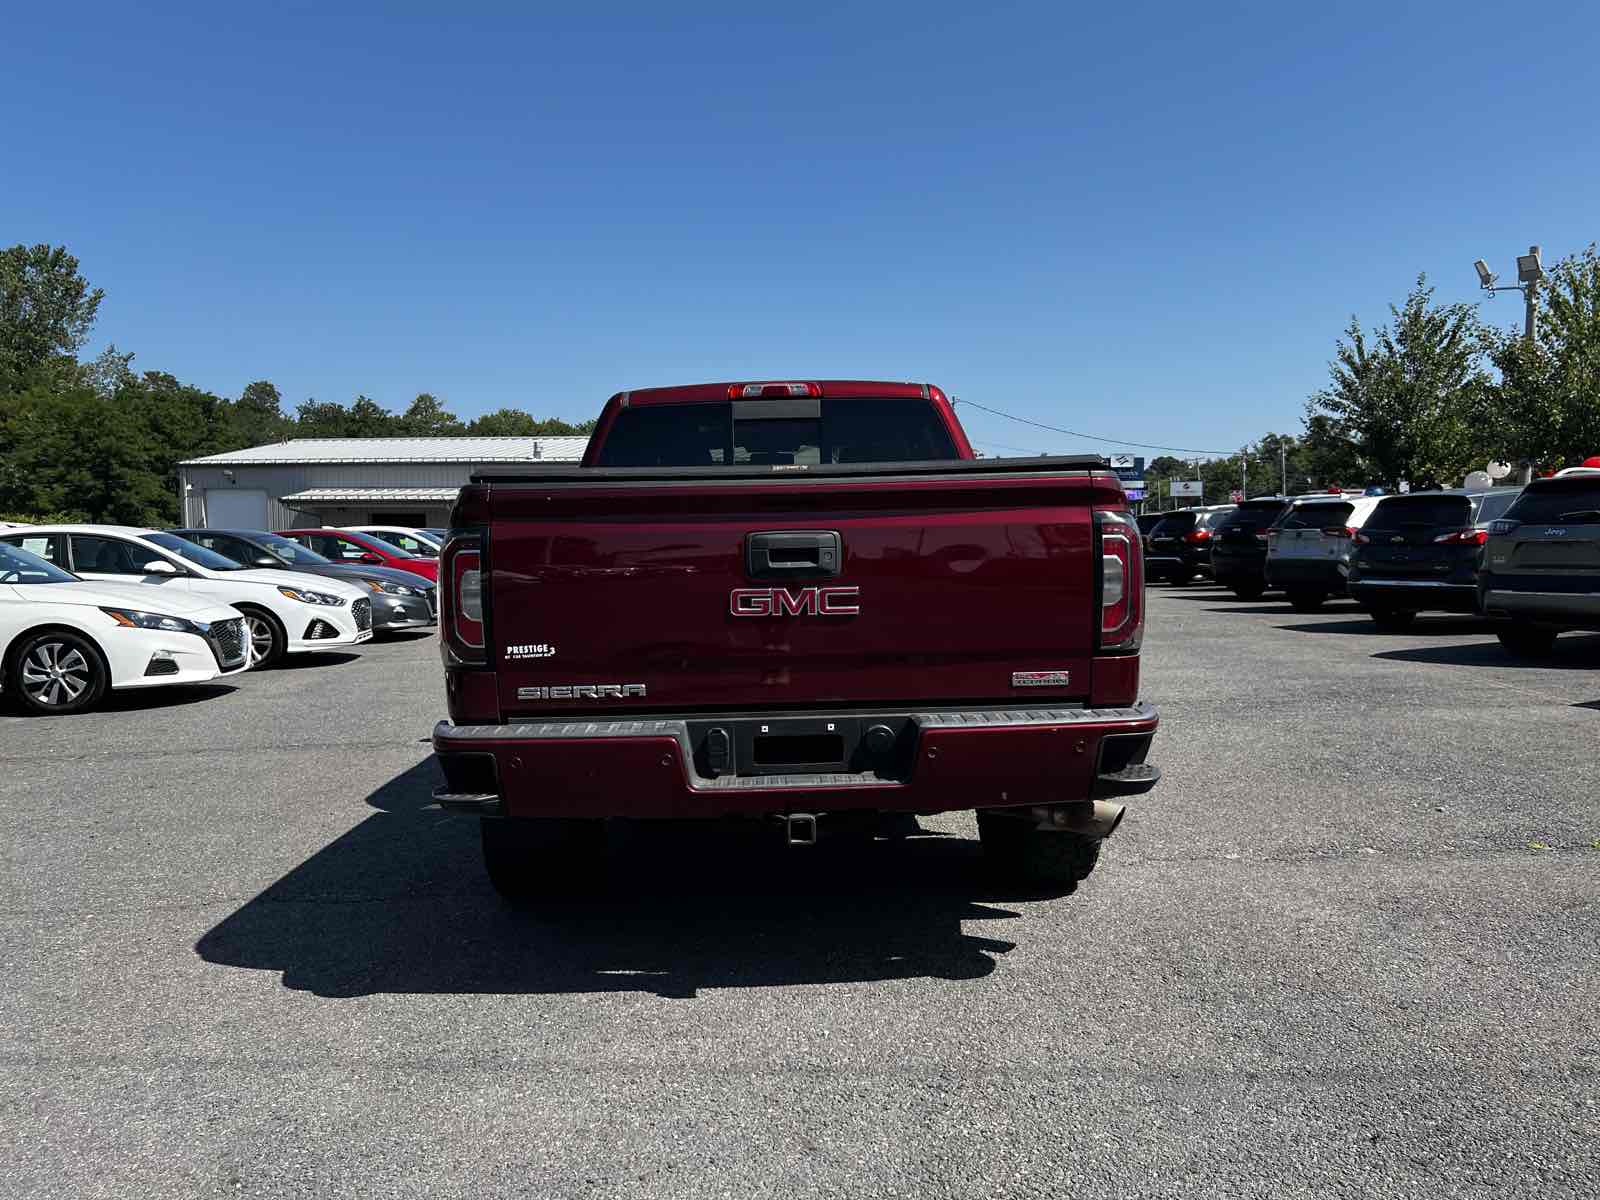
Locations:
column 1252, row 513
column 1176, row 523
column 1493, row 505
column 1422, row 512
column 1316, row 516
column 848, row 431
column 1575, row 500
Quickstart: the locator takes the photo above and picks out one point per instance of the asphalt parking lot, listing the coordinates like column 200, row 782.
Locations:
column 1350, row 946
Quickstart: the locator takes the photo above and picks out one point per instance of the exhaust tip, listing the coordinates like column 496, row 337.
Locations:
column 800, row 829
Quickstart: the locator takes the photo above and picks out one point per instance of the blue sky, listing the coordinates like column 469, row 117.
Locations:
column 1146, row 221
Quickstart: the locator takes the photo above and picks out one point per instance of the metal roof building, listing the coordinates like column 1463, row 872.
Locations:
column 349, row 481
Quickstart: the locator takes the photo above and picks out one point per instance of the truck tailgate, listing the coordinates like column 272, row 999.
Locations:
column 949, row 585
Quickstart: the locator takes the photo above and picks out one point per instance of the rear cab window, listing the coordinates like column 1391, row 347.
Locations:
column 844, row 431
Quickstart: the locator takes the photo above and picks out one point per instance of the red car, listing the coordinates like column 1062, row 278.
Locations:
column 342, row 546
column 804, row 603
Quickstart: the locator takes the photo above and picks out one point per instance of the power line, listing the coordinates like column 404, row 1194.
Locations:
column 1089, row 437
column 1006, row 446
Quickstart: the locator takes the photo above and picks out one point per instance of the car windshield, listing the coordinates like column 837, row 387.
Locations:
column 199, row 555
column 1316, row 516
column 18, row 566
column 1575, row 499
column 1421, row 512
column 290, row 552
column 848, row 431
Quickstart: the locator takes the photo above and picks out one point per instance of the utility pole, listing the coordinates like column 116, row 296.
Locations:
column 1244, row 472
column 1283, row 465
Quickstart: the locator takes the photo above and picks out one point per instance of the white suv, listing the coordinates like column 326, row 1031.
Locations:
column 1309, row 547
column 285, row 612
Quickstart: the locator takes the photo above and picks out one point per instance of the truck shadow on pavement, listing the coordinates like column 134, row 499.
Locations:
column 400, row 904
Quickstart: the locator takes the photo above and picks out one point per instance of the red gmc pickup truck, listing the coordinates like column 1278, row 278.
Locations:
column 808, row 603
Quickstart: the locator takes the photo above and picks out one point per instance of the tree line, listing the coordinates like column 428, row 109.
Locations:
column 1426, row 397
column 1432, row 394
column 100, row 441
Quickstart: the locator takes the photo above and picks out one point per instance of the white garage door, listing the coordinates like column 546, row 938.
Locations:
column 236, row 508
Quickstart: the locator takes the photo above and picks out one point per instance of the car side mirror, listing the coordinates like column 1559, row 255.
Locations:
column 266, row 560
column 370, row 557
column 159, row 566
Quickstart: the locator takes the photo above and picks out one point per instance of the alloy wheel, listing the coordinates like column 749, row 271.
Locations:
column 55, row 674
column 260, row 648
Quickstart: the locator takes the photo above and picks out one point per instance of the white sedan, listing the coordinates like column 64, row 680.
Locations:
column 285, row 612
column 64, row 641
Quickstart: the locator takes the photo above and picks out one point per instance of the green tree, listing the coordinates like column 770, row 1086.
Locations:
column 256, row 417
column 370, row 419
column 1406, row 396
column 78, row 451
column 513, row 422
column 1328, row 456
column 321, row 418
column 426, row 417
column 46, row 310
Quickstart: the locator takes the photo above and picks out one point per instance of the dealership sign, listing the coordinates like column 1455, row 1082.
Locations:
column 1192, row 487
column 1129, row 468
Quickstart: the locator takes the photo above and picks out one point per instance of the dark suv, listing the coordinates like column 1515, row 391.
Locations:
column 1541, row 566
column 1239, row 546
column 1179, row 547
column 1421, row 553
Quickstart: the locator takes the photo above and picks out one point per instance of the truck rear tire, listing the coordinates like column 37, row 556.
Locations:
column 529, row 859
column 1016, row 852
column 1306, row 601
column 1249, row 591
column 1527, row 641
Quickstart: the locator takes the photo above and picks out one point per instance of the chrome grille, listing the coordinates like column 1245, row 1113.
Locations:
column 361, row 610
column 228, row 642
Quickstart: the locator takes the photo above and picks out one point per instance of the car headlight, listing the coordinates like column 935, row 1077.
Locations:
column 305, row 596
column 392, row 589
column 133, row 618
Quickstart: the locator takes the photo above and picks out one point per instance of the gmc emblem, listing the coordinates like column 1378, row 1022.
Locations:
column 781, row 602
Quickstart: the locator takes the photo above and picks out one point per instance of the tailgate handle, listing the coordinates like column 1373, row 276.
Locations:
column 797, row 554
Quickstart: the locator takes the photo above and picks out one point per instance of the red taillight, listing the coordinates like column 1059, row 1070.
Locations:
column 1464, row 537
column 1197, row 536
column 1339, row 531
column 772, row 391
column 1121, row 581
column 1360, row 538
column 461, row 596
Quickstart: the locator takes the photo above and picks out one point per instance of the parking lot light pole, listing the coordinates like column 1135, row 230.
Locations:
column 1530, row 270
